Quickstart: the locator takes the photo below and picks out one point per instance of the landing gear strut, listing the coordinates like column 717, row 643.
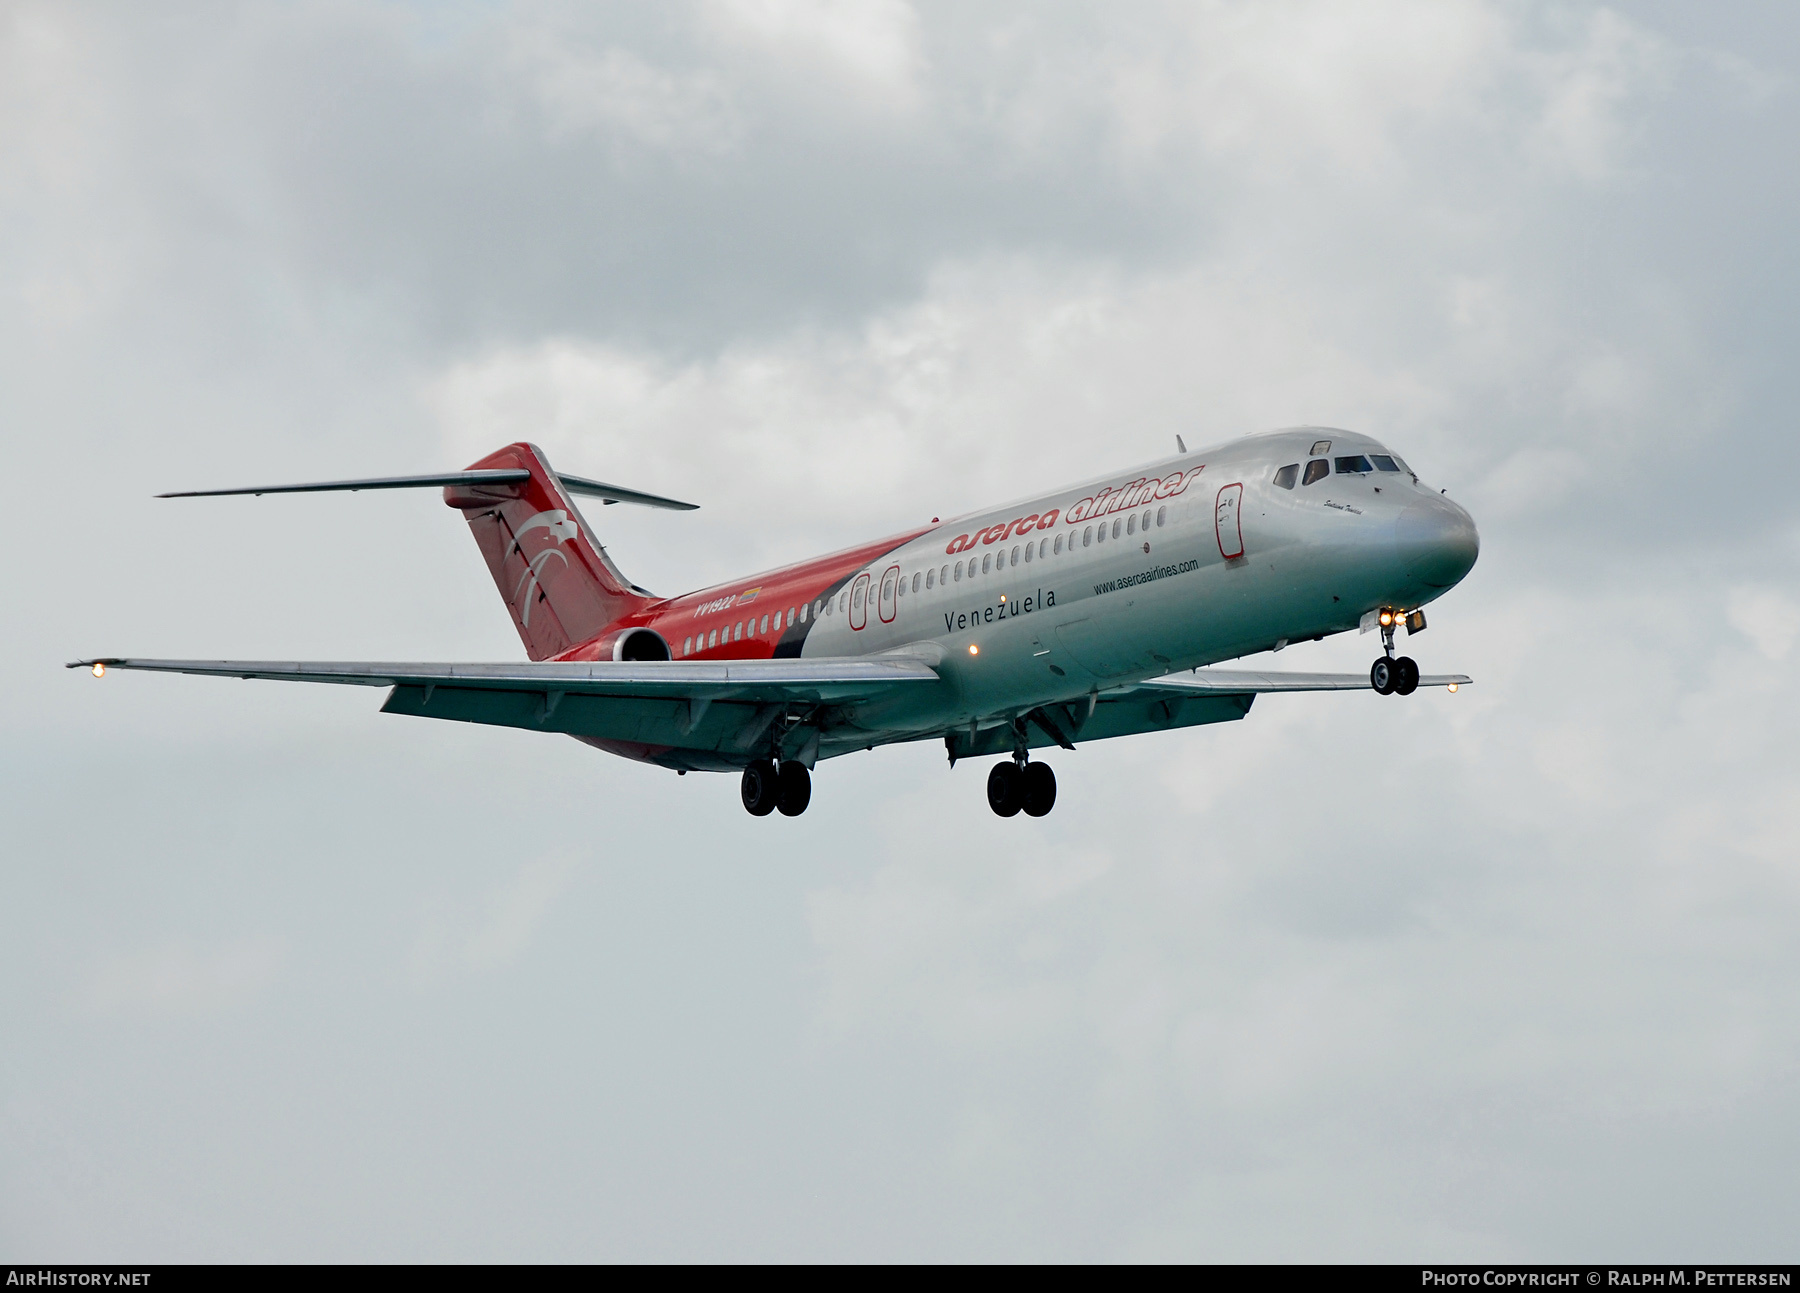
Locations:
column 1020, row 784
column 765, row 789
column 1391, row 676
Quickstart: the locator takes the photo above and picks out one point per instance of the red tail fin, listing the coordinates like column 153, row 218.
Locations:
column 552, row 573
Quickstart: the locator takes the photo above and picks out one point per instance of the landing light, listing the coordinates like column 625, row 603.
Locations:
column 99, row 669
column 1453, row 686
column 1387, row 618
column 973, row 649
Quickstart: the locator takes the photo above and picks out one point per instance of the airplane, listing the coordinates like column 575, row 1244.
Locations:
column 1086, row 613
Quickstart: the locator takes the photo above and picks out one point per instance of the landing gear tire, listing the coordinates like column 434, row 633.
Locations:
column 1406, row 676
column 1040, row 789
column 1381, row 677
column 760, row 788
column 1006, row 789
column 793, row 789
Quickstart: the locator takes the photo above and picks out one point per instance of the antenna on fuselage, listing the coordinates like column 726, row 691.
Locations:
column 1180, row 444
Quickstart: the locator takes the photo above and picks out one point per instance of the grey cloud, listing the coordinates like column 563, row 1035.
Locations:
column 1504, row 974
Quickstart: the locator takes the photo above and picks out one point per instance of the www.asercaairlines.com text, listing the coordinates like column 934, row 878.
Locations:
column 1148, row 576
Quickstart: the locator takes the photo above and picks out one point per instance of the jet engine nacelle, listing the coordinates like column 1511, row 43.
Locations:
column 636, row 644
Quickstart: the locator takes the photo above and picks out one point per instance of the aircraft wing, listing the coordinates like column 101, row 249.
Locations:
column 821, row 679
column 686, row 714
column 1240, row 682
column 1161, row 705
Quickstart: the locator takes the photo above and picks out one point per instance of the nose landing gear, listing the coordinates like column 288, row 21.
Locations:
column 1391, row 676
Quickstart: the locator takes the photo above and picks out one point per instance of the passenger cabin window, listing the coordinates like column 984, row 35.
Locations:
column 1383, row 462
column 915, row 581
column 687, row 647
column 1161, row 512
column 1015, row 556
column 1028, row 549
column 959, row 572
column 1286, row 477
column 1059, row 540
column 984, row 562
column 1354, row 465
column 712, row 639
column 1319, row 447
column 1087, row 536
column 944, row 575
column 930, row 578
column 1316, row 470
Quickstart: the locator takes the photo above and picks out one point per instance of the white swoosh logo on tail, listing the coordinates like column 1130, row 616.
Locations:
column 531, row 577
column 561, row 526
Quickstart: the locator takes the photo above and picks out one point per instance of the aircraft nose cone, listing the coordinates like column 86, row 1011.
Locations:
column 1436, row 542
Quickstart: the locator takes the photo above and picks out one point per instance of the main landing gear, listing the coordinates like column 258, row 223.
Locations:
column 1391, row 676
column 766, row 788
column 1016, row 785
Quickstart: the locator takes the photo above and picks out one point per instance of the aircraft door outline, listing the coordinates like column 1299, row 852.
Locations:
column 1227, row 525
column 859, row 602
column 890, row 599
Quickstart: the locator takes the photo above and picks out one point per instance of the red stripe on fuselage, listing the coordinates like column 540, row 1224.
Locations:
column 722, row 606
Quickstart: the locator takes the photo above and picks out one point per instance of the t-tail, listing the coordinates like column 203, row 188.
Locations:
column 556, row 580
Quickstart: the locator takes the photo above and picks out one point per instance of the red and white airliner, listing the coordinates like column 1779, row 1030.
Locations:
column 1084, row 613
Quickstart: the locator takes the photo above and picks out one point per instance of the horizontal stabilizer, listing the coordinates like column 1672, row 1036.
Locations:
column 613, row 494
column 496, row 476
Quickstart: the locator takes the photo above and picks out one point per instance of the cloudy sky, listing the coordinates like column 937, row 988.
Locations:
column 1508, row 974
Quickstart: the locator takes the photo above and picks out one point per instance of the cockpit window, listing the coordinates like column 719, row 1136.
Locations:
column 1353, row 464
column 1321, row 446
column 1316, row 470
column 1383, row 462
column 1285, row 476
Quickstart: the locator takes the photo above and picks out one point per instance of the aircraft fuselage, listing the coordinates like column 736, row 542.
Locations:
column 1195, row 559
